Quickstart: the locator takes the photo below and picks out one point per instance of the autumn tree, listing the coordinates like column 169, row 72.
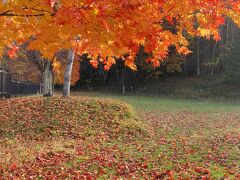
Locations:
column 59, row 66
column 112, row 29
column 22, row 68
column 43, row 65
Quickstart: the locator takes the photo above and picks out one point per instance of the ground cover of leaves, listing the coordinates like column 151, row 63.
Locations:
column 84, row 138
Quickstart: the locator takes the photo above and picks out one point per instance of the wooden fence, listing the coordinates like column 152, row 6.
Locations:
column 9, row 87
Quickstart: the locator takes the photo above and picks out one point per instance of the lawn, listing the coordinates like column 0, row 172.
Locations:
column 94, row 136
column 160, row 104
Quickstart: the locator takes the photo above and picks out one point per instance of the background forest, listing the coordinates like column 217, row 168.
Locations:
column 212, row 70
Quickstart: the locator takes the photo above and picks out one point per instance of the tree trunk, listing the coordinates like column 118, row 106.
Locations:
column 213, row 57
column 227, row 32
column 185, row 70
column 47, row 80
column 233, row 33
column 68, row 73
column 198, row 57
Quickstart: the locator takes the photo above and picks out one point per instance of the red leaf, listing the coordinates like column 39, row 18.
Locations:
column 13, row 167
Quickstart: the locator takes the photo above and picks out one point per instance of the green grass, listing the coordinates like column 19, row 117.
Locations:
column 161, row 104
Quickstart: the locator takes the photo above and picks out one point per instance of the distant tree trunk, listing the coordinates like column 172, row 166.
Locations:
column 47, row 80
column 233, row 33
column 103, row 73
column 227, row 31
column 123, row 82
column 198, row 57
column 117, row 74
column 221, row 48
column 68, row 73
column 185, row 65
column 213, row 56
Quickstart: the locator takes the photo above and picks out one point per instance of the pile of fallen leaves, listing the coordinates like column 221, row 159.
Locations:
column 82, row 138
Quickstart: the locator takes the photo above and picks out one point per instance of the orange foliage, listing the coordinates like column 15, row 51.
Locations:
column 113, row 28
column 59, row 67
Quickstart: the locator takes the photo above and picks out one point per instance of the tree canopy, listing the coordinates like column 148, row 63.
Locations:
column 105, row 29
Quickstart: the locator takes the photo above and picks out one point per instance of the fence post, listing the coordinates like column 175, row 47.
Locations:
column 4, row 83
column 1, row 84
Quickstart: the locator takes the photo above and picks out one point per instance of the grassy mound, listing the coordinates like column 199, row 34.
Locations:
column 42, row 136
column 39, row 119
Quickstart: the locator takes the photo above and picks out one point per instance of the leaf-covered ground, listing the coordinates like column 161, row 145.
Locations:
column 86, row 138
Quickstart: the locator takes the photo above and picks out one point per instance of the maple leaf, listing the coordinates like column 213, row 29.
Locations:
column 12, row 53
column 184, row 50
column 94, row 63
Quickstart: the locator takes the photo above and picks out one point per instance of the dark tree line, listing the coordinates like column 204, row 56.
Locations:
column 208, row 57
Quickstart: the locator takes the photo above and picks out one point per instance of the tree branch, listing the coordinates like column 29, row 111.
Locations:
column 9, row 13
column 22, row 15
column 4, row 13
